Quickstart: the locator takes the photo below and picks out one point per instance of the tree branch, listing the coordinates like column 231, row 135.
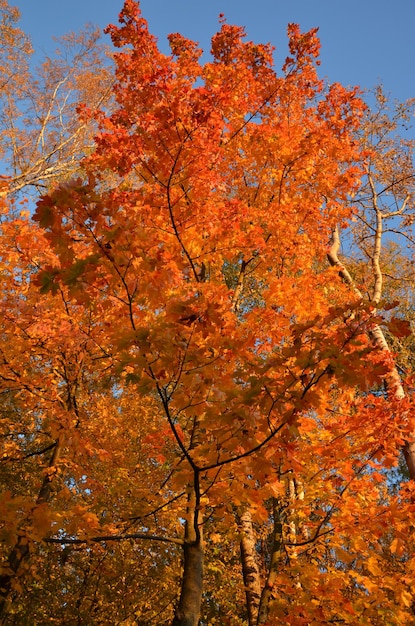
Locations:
column 103, row 538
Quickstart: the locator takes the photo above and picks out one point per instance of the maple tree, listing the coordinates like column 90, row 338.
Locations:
column 192, row 392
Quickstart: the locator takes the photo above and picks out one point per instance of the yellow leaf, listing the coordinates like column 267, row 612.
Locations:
column 406, row 598
column 373, row 566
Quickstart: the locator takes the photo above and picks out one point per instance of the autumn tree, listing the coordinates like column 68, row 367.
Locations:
column 192, row 386
column 384, row 214
column 42, row 137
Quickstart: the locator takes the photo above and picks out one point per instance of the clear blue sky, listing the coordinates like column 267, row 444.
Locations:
column 363, row 41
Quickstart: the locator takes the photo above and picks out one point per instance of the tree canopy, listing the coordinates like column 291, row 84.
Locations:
column 207, row 408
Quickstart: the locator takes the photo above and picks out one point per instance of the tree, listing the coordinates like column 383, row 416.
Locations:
column 42, row 137
column 208, row 379
column 384, row 205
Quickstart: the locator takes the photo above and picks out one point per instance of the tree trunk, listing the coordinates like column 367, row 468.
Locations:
column 273, row 568
column 250, row 570
column 188, row 609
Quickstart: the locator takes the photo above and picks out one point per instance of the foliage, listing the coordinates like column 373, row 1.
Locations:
column 193, row 421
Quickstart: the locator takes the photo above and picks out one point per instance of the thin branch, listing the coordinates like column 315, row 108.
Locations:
column 30, row 454
column 103, row 538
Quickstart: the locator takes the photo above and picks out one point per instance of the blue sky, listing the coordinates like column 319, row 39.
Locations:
column 363, row 41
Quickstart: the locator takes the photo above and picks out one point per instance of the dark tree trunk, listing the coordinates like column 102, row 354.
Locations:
column 274, row 565
column 188, row 609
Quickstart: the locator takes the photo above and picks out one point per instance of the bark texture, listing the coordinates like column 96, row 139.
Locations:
column 188, row 609
column 274, row 565
column 250, row 570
